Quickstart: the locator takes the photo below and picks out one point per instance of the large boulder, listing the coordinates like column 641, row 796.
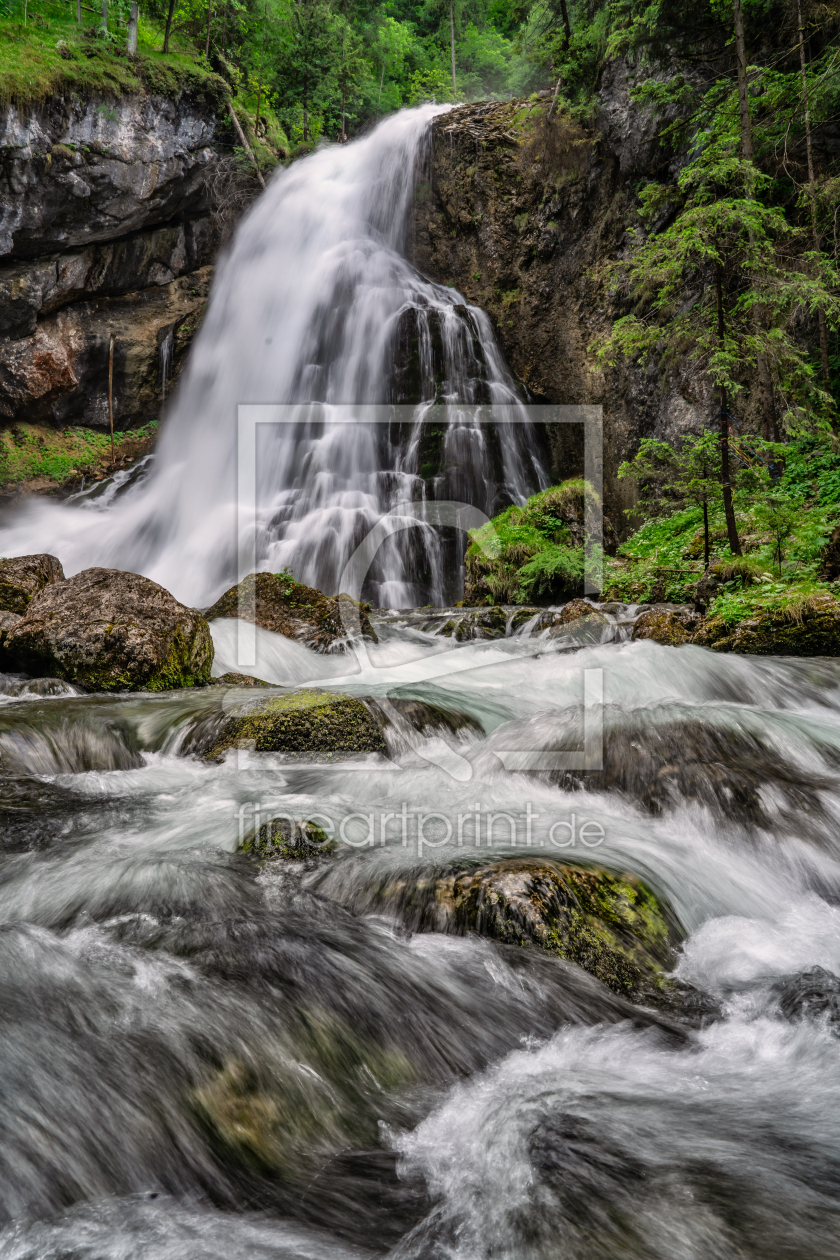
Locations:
column 277, row 602
column 23, row 577
column 309, row 721
column 609, row 923
column 111, row 631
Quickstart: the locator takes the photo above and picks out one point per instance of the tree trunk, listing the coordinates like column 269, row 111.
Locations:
column 207, row 43
column 452, row 46
column 224, row 31
column 245, row 145
column 812, row 187
column 567, row 26
column 79, row 11
column 726, row 484
column 707, row 551
column 131, row 44
column 104, row 26
column 259, row 89
column 743, row 96
column 168, row 26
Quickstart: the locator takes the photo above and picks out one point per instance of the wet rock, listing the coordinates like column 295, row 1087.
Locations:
column 321, row 722
column 111, row 631
column 23, row 577
column 232, row 679
column 290, row 839
column 424, row 717
column 670, row 626
column 727, row 769
column 478, row 623
column 278, row 603
column 813, row 994
column 577, row 623
column 610, row 924
column 810, row 628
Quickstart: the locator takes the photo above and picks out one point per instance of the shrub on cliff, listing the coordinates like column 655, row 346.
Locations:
column 534, row 553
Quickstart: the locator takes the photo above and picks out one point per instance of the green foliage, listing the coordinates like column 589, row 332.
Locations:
column 784, row 525
column 51, row 54
column 27, row 454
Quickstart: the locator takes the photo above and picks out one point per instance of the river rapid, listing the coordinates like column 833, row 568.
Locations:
column 166, row 1004
column 204, row 1058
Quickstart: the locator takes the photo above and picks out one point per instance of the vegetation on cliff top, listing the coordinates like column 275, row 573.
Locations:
column 45, row 52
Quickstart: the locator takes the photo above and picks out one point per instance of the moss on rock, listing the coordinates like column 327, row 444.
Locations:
column 111, row 631
column 808, row 628
column 609, row 923
column 278, row 603
column 23, row 577
column 668, row 626
column 322, row 722
column 291, row 839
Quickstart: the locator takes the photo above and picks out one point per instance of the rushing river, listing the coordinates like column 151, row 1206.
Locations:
column 424, row 1095
column 202, row 1058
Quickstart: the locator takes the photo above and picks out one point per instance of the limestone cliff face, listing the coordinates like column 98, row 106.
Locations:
column 523, row 219
column 104, row 231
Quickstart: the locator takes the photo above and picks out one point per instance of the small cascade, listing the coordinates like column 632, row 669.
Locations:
column 165, row 354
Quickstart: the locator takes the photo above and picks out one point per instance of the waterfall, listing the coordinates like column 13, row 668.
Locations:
column 165, row 359
column 315, row 302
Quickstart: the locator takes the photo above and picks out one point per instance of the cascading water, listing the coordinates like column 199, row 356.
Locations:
column 200, row 1057
column 315, row 303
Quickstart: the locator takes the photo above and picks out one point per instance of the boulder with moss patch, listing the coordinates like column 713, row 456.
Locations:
column 610, row 924
column 276, row 602
column 289, row 839
column 24, row 577
column 669, row 626
column 111, row 631
column 325, row 723
column 810, row 627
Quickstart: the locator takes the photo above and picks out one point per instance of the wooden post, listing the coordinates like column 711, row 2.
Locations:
column 245, row 145
column 132, row 29
column 111, row 394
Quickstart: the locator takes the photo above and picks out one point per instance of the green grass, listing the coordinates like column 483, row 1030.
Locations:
column 27, row 454
column 51, row 54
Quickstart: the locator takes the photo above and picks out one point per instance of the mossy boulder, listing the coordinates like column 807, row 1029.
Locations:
column 577, row 623
column 809, row 628
column 289, row 839
column 24, row 577
column 669, row 626
column 111, row 631
column 321, row 722
column 276, row 602
column 609, row 923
